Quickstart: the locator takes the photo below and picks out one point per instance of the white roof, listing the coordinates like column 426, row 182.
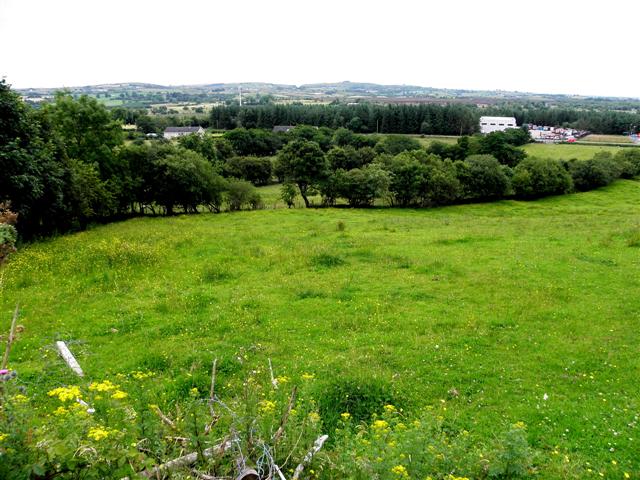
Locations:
column 498, row 119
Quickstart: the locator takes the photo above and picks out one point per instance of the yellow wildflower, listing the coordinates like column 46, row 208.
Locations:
column 389, row 408
column 380, row 425
column 401, row 426
column 19, row 398
column 626, row 475
column 283, row 379
column 119, row 395
column 401, row 471
column 267, row 406
column 345, row 416
column 97, row 433
column 60, row 411
column 138, row 375
column 308, row 376
column 314, row 417
column 520, row 425
column 193, row 392
column 3, row 436
column 105, row 386
column 65, row 393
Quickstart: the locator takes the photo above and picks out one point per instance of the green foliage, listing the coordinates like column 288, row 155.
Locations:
column 503, row 146
column 395, row 144
column 535, row 177
column 628, row 161
column 253, row 142
column 185, row 178
column 288, row 193
column 241, row 194
column 257, row 170
column 359, row 397
column 597, row 172
column 203, row 144
column 302, row 162
column 361, row 186
column 482, row 177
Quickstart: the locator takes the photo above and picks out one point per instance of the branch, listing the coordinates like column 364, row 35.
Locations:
column 274, row 382
column 68, row 357
column 186, row 460
column 285, row 417
column 317, row 445
column 11, row 338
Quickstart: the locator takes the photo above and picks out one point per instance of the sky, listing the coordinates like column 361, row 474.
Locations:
column 540, row 46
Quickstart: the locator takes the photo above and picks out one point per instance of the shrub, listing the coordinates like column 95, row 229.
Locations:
column 288, row 193
column 538, row 177
column 361, row 186
column 629, row 162
column 597, row 172
column 360, row 398
column 482, row 177
column 8, row 234
column 240, row 194
column 395, row 144
column 257, row 170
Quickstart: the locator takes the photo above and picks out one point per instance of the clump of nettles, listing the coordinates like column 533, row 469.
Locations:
column 8, row 234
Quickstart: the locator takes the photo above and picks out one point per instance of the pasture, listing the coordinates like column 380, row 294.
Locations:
column 567, row 151
column 530, row 310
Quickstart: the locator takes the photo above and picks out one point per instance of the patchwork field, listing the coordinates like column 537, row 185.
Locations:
column 530, row 311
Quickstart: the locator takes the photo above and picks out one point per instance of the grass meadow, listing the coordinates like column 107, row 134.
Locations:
column 530, row 311
column 567, row 151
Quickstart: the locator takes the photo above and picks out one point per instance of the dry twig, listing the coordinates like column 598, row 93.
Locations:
column 10, row 340
column 317, row 445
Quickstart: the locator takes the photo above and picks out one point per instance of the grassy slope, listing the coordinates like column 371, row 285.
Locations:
column 505, row 302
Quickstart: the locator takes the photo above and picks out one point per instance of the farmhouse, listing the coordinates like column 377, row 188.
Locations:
column 496, row 124
column 174, row 132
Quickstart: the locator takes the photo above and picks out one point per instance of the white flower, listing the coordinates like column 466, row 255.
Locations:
column 545, row 397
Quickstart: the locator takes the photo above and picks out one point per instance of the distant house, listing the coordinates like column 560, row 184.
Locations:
column 282, row 128
column 496, row 124
column 175, row 132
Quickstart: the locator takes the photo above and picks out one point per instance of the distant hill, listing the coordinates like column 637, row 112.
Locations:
column 143, row 95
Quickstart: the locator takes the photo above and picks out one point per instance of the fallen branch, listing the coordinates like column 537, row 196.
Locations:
column 186, row 460
column 317, row 445
column 274, row 382
column 166, row 420
column 68, row 357
column 12, row 331
column 204, row 476
column 285, row 417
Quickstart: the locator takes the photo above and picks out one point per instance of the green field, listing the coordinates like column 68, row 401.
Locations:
column 509, row 303
column 566, row 151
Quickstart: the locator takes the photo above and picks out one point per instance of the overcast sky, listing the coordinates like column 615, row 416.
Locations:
column 536, row 46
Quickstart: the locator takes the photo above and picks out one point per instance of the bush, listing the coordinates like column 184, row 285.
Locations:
column 629, row 162
column 360, row 398
column 257, row 170
column 361, row 186
column 240, row 193
column 395, row 144
column 482, row 177
column 538, row 177
column 597, row 172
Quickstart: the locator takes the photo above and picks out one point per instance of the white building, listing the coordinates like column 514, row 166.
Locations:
column 175, row 132
column 496, row 124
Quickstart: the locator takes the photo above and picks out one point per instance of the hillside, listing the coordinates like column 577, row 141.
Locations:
column 530, row 310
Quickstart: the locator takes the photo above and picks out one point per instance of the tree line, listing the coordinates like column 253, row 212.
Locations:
column 399, row 172
column 428, row 119
column 66, row 164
